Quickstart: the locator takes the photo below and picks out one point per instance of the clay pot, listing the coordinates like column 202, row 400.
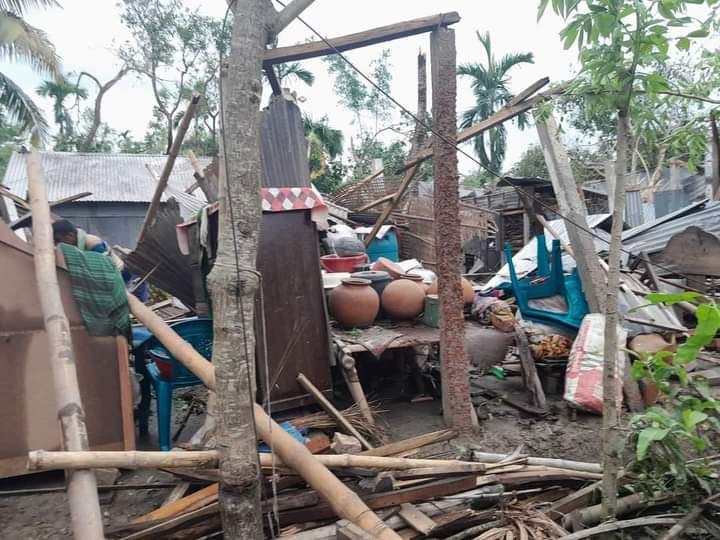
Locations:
column 354, row 303
column 403, row 299
column 378, row 280
column 467, row 290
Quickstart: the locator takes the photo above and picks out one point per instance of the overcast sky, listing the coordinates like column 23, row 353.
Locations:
column 86, row 32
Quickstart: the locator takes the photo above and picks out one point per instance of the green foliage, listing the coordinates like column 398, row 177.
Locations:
column 372, row 112
column 490, row 86
column 625, row 49
column 585, row 163
column 179, row 51
column 672, row 440
column 10, row 139
column 325, row 146
column 22, row 42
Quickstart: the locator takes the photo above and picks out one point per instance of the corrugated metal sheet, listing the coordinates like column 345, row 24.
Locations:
column 634, row 213
column 110, row 177
column 653, row 237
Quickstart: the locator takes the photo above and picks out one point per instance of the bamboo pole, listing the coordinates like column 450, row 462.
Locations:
column 342, row 500
column 486, row 457
column 41, row 460
column 81, row 484
column 169, row 163
column 175, row 345
column 332, row 410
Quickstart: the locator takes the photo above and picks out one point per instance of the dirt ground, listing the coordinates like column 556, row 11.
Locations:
column 46, row 516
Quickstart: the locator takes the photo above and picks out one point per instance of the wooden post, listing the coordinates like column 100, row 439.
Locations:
column 457, row 407
column 81, row 485
column 289, row 13
column 417, row 143
column 165, row 175
column 572, row 207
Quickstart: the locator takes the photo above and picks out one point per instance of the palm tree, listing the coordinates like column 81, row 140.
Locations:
column 59, row 90
column 490, row 87
column 324, row 145
column 22, row 42
column 294, row 71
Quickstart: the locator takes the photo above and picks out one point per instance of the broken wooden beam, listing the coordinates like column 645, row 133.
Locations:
column 288, row 14
column 281, row 55
column 24, row 220
column 529, row 370
column 332, row 410
column 413, row 443
column 169, row 163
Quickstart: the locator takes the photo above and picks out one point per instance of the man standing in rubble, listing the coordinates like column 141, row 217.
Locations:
column 64, row 231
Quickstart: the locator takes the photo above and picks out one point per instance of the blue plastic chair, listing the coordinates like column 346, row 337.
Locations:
column 549, row 281
column 199, row 333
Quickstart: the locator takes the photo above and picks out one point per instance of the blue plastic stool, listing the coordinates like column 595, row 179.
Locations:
column 199, row 333
column 549, row 281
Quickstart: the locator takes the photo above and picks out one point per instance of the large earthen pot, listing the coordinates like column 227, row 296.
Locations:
column 403, row 299
column 354, row 303
column 467, row 290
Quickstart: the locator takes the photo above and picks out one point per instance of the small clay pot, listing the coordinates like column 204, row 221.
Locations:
column 467, row 290
column 403, row 299
column 354, row 303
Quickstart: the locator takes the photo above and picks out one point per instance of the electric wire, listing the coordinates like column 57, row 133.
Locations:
column 457, row 147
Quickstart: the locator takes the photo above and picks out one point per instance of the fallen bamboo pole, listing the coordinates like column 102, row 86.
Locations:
column 583, row 466
column 81, row 484
column 344, row 502
column 42, row 460
column 332, row 410
column 169, row 163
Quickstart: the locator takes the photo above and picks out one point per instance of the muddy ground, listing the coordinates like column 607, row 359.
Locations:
column 503, row 428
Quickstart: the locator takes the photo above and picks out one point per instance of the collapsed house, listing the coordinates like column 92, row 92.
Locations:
column 347, row 322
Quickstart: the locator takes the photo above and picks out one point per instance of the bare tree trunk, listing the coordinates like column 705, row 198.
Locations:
column 87, row 143
column 715, row 143
column 169, row 139
column 233, row 280
column 81, row 485
column 611, row 443
column 457, row 407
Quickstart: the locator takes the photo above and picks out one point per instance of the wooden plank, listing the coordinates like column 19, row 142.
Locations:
column 281, row 55
column 350, row 531
column 529, row 91
column 179, row 506
column 572, row 206
column 24, row 220
column 331, row 410
column 529, row 370
column 126, row 401
column 434, row 472
column 161, row 529
column 412, row 443
column 377, row 501
column 500, row 117
column 416, row 519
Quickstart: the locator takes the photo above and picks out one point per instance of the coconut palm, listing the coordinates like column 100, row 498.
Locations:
column 59, row 90
column 294, row 71
column 489, row 84
column 22, row 42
